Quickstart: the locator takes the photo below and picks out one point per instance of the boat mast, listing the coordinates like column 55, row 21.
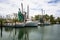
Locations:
column 22, row 7
column 42, row 16
column 27, row 11
column 42, row 12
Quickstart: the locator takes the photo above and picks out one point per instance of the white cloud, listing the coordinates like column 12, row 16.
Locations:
column 11, row 6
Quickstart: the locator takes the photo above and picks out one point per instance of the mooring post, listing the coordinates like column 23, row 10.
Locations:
column 1, row 28
column 15, row 31
column 15, row 27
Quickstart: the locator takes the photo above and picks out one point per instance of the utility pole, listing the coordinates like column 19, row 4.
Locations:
column 1, row 28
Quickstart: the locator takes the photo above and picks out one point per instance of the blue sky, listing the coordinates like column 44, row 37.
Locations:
column 54, row 1
column 35, row 6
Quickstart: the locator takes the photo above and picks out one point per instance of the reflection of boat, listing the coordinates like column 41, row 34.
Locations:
column 8, row 29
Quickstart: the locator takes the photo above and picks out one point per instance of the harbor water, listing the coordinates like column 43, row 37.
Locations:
column 51, row 32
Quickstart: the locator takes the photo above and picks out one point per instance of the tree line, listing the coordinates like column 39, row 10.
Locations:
column 51, row 18
column 47, row 17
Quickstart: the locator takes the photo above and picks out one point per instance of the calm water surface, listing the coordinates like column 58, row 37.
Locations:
column 51, row 32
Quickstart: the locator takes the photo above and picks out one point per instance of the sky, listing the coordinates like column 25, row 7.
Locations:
column 51, row 7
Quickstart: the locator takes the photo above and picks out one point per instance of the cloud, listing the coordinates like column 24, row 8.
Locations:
column 35, row 6
column 57, row 14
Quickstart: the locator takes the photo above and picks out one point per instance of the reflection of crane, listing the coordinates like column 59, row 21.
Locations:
column 23, row 34
column 42, row 33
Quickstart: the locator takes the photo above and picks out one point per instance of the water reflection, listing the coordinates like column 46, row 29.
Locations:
column 8, row 29
column 42, row 32
column 23, row 34
column 51, row 32
column 1, row 31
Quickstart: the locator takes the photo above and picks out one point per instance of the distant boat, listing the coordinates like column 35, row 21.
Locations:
column 43, row 24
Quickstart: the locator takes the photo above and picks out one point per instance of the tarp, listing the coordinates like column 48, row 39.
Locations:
column 20, row 16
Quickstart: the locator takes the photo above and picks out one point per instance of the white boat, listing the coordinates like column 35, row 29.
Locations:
column 31, row 24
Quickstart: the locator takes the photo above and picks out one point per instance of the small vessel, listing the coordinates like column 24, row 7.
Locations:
column 31, row 24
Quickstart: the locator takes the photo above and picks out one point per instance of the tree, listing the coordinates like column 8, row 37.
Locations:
column 46, row 17
column 8, row 16
column 32, row 18
column 15, row 17
column 37, row 17
column 0, row 18
column 52, row 20
column 58, row 20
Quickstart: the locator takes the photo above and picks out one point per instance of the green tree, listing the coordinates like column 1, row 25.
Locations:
column 58, row 20
column 46, row 17
column 37, row 17
column 52, row 19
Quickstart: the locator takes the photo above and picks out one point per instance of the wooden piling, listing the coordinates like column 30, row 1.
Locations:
column 1, row 28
